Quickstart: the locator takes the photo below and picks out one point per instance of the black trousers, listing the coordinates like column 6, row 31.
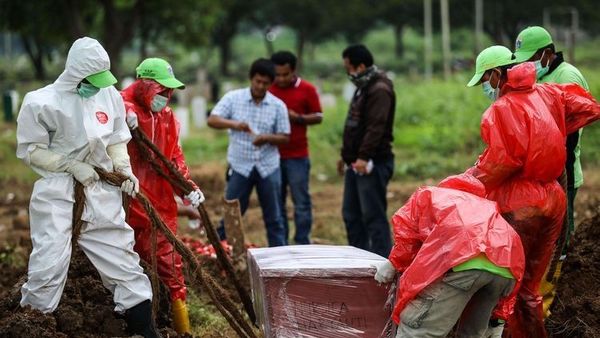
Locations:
column 364, row 208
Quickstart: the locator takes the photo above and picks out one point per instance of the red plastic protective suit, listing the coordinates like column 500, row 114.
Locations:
column 163, row 129
column 441, row 227
column 525, row 132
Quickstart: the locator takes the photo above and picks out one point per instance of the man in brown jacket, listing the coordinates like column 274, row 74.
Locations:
column 367, row 161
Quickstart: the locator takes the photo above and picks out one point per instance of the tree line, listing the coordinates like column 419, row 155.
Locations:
column 44, row 26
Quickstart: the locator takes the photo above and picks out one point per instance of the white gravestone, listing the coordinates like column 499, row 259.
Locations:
column 183, row 114
column 199, row 111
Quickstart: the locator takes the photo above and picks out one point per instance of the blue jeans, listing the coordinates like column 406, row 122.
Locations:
column 295, row 174
column 364, row 208
column 268, row 190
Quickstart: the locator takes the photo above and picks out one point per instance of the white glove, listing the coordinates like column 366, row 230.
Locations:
column 385, row 272
column 82, row 172
column 195, row 197
column 47, row 159
column 132, row 121
column 494, row 332
column 132, row 185
column 118, row 154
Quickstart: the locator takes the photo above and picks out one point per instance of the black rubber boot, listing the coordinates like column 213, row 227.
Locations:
column 139, row 320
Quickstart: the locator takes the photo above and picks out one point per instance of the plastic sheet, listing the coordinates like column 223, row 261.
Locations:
column 319, row 291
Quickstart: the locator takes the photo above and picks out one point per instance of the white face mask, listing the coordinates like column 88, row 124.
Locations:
column 540, row 70
column 489, row 91
column 159, row 103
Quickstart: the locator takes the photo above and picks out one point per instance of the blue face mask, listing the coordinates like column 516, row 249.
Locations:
column 489, row 91
column 87, row 90
column 159, row 103
column 540, row 71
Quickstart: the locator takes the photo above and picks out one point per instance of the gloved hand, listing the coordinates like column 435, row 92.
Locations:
column 120, row 158
column 195, row 197
column 132, row 121
column 82, row 172
column 385, row 272
column 494, row 331
column 131, row 186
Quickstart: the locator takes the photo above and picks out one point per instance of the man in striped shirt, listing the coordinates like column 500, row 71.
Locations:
column 257, row 122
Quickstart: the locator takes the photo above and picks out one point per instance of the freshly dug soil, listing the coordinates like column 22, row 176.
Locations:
column 576, row 308
column 86, row 309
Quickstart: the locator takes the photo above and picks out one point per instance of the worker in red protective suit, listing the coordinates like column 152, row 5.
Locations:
column 525, row 131
column 146, row 108
column 458, row 257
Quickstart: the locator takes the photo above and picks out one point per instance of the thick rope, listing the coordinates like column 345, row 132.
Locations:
column 217, row 294
column 78, row 207
column 178, row 180
column 155, row 281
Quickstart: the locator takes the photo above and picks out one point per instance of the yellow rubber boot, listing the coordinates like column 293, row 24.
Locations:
column 548, row 289
column 181, row 319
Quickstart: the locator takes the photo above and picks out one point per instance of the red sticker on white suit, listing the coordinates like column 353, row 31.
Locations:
column 102, row 117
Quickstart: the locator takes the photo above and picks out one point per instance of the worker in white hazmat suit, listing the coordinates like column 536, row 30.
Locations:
column 65, row 130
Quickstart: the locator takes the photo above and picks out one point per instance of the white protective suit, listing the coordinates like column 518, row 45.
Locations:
column 56, row 118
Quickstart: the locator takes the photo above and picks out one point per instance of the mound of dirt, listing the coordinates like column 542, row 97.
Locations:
column 577, row 304
column 86, row 309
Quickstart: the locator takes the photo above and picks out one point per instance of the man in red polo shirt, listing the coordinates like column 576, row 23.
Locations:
column 304, row 109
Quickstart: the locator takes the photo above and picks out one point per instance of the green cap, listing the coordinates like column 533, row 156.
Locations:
column 529, row 41
column 491, row 57
column 103, row 79
column 160, row 71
